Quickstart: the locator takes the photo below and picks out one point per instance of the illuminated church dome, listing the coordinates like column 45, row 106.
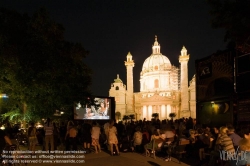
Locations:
column 157, row 72
column 156, row 61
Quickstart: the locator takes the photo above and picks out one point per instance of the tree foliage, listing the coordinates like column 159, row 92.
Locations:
column 172, row 115
column 234, row 17
column 38, row 67
column 132, row 116
column 155, row 115
column 125, row 117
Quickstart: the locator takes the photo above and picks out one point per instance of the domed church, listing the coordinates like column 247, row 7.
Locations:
column 164, row 88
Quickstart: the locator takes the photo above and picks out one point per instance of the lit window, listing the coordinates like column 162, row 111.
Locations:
column 156, row 67
column 156, row 83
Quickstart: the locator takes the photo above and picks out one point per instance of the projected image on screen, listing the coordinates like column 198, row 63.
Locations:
column 99, row 110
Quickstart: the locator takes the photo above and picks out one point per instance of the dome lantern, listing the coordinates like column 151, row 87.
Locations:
column 156, row 47
column 117, row 80
column 156, row 61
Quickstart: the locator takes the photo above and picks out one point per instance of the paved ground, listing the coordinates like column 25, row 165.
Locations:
column 125, row 159
column 103, row 158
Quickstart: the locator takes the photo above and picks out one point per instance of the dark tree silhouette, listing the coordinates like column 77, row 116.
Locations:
column 40, row 71
column 234, row 17
column 172, row 115
column 126, row 117
column 132, row 116
column 155, row 115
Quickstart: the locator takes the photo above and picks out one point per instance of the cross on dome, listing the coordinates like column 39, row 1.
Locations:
column 156, row 42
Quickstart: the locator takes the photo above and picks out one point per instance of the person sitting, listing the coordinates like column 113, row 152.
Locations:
column 4, row 139
column 193, row 135
column 192, row 138
column 137, row 138
column 244, row 147
column 145, row 137
column 156, row 141
column 235, row 137
column 169, row 138
column 125, row 144
column 225, row 143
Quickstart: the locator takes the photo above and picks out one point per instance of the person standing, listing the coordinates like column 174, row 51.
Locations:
column 106, row 130
column 62, row 133
column 56, row 136
column 49, row 137
column 71, row 136
column 32, row 137
column 86, row 135
column 112, row 132
column 95, row 134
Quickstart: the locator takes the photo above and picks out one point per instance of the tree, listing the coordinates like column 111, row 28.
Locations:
column 131, row 117
column 126, row 117
column 155, row 115
column 40, row 71
column 234, row 17
column 172, row 115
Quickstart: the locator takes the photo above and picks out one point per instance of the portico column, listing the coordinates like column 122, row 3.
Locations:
column 163, row 114
column 159, row 111
column 177, row 111
column 141, row 113
column 168, row 110
column 144, row 112
column 150, row 112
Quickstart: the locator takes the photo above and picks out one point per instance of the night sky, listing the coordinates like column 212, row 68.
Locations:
column 109, row 29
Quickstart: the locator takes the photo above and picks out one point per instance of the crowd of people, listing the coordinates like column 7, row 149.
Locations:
column 207, row 142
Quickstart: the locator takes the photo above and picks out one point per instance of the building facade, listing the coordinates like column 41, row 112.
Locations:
column 164, row 88
column 215, row 88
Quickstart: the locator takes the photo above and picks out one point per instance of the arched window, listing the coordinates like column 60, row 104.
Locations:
column 116, row 88
column 156, row 83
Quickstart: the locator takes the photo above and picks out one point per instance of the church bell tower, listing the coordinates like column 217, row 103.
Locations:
column 183, row 59
column 129, row 63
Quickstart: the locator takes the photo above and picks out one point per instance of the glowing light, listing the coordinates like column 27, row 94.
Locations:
column 39, row 126
column 2, row 127
column 3, row 96
column 212, row 103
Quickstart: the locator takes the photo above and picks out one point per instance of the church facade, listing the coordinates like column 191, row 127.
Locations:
column 164, row 88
